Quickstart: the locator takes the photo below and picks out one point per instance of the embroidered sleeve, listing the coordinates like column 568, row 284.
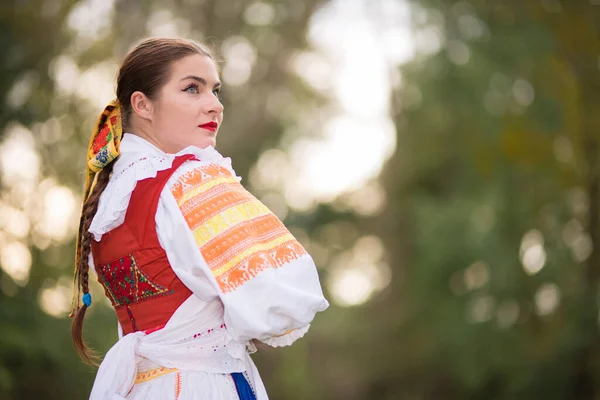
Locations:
column 267, row 281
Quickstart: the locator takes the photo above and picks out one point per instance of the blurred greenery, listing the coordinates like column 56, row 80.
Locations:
column 490, row 224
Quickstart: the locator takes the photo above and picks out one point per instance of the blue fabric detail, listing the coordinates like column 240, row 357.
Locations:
column 87, row 299
column 243, row 387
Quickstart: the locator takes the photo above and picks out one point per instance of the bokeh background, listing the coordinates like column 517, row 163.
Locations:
column 439, row 159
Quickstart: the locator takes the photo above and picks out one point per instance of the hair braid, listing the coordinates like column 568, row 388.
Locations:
column 87, row 215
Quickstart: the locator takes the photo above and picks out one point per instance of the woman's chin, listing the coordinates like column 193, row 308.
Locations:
column 204, row 143
column 207, row 143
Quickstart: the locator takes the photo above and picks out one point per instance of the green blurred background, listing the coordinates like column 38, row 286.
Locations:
column 439, row 159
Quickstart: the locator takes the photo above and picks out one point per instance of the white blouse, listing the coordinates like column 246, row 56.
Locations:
column 224, row 245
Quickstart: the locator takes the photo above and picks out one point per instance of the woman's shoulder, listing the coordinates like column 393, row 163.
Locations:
column 206, row 167
column 114, row 200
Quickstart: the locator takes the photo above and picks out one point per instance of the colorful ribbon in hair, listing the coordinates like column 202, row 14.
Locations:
column 102, row 150
column 104, row 143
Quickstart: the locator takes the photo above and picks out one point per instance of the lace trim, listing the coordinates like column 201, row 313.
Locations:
column 114, row 201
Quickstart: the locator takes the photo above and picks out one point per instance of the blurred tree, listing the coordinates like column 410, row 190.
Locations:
column 32, row 363
column 492, row 221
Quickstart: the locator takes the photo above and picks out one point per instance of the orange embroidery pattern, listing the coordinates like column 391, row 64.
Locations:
column 177, row 385
column 153, row 374
column 237, row 235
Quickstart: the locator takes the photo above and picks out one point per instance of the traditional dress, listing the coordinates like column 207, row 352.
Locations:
column 196, row 267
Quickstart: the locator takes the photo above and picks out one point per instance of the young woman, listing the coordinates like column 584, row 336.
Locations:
column 195, row 266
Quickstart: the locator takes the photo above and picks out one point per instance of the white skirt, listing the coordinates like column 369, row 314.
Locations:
column 173, row 384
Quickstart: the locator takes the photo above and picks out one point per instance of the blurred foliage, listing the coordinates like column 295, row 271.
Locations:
column 492, row 223
column 491, row 218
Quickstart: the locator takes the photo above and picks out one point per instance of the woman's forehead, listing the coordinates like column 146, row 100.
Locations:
column 195, row 65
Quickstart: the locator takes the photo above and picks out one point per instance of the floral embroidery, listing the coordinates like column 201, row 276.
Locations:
column 125, row 283
column 102, row 155
column 101, row 140
column 237, row 235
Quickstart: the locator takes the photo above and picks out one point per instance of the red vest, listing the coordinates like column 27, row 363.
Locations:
column 132, row 266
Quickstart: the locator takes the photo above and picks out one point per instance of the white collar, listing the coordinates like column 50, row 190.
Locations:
column 134, row 148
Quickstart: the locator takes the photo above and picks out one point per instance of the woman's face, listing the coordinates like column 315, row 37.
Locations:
column 186, row 104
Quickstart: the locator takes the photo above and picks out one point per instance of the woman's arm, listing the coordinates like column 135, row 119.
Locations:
column 223, row 242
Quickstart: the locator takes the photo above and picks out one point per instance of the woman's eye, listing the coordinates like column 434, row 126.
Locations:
column 217, row 92
column 192, row 89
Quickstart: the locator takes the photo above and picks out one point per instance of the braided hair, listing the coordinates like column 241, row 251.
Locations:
column 85, row 239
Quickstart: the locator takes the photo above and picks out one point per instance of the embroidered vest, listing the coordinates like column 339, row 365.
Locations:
column 132, row 266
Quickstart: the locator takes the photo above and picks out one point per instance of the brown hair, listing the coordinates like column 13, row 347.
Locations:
column 145, row 69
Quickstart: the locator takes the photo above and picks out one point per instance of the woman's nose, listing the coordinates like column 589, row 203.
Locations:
column 215, row 106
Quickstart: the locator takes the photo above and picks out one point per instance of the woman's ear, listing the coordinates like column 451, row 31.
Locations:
column 142, row 105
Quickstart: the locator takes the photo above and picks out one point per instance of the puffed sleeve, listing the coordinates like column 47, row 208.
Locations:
column 223, row 242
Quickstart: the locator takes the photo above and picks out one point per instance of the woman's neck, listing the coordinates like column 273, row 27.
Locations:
column 147, row 135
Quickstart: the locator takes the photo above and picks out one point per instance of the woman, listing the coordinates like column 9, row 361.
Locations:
column 194, row 265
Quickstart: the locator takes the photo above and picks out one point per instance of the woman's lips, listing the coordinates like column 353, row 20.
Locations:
column 211, row 126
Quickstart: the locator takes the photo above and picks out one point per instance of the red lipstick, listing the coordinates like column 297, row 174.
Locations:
column 211, row 126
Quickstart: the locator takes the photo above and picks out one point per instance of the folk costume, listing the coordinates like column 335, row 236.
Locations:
column 195, row 266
